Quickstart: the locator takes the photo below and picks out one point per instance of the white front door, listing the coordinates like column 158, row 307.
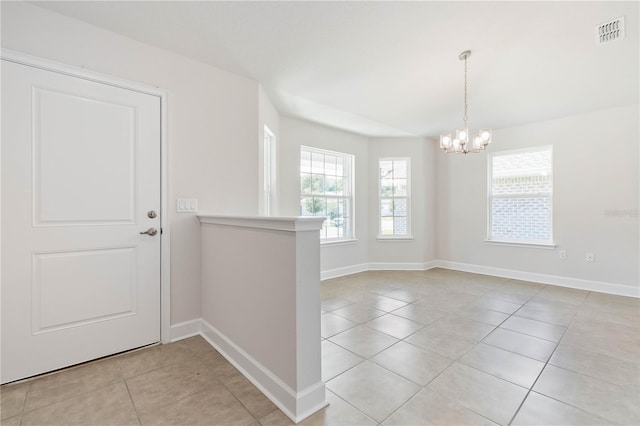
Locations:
column 80, row 182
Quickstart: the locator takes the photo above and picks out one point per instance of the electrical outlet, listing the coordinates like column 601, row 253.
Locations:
column 589, row 257
column 563, row 254
column 187, row 205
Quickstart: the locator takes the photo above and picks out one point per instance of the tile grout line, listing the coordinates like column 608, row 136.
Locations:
column 104, row 385
column 132, row 402
column 541, row 371
column 447, row 368
column 469, row 350
column 354, row 407
column 453, row 361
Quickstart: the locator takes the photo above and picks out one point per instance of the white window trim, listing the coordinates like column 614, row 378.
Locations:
column 351, row 237
column 550, row 244
column 408, row 235
column 336, row 242
column 268, row 180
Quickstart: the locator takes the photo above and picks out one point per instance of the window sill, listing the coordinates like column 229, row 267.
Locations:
column 338, row 243
column 544, row 246
column 403, row 238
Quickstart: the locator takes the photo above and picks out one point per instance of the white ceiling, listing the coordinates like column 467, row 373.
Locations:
column 392, row 68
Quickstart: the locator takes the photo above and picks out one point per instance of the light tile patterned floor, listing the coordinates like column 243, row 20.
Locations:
column 399, row 348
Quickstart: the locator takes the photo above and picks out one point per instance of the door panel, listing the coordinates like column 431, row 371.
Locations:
column 112, row 292
column 96, row 142
column 80, row 171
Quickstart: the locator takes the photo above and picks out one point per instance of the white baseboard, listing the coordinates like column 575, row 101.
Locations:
column 578, row 283
column 295, row 405
column 430, row 264
column 185, row 329
column 347, row 270
column 374, row 266
column 380, row 266
column 423, row 266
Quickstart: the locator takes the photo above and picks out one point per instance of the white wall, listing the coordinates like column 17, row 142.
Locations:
column 212, row 124
column 595, row 159
column 421, row 248
column 297, row 132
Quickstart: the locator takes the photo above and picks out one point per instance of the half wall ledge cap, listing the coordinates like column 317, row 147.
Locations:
column 279, row 223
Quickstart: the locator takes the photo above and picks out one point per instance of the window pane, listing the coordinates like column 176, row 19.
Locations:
column 386, row 226
column 317, row 184
column 514, row 185
column 317, row 163
column 312, row 206
column 332, row 209
column 330, row 185
column 305, row 162
column 400, row 169
column 528, row 163
column 400, row 225
column 306, row 205
column 400, row 187
column 340, row 166
column 341, row 208
column 340, row 186
column 386, row 207
column 386, row 169
column 386, row 187
column 305, row 183
column 521, row 219
column 400, row 207
column 330, row 164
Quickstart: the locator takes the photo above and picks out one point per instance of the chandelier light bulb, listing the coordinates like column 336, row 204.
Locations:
column 477, row 143
column 445, row 141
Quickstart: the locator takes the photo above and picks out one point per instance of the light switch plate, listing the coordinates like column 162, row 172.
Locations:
column 187, row 205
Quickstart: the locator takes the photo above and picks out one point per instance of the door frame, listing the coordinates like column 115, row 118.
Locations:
column 165, row 246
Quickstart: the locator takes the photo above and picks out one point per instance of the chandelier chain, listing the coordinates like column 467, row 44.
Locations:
column 465, row 93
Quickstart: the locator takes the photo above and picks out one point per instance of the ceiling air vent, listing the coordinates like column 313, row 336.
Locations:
column 610, row 31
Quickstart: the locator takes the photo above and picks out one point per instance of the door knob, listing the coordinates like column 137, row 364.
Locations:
column 150, row 231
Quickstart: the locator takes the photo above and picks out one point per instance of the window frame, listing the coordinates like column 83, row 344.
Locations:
column 349, row 196
column 513, row 242
column 408, row 235
column 269, row 168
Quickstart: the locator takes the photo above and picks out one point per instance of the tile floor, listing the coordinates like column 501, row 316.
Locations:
column 399, row 348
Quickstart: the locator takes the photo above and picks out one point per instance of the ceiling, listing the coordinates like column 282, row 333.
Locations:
column 391, row 68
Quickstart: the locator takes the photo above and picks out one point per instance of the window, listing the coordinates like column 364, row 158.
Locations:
column 326, row 190
column 268, row 172
column 394, row 191
column 521, row 196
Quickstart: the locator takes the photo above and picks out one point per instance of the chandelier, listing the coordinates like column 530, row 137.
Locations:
column 461, row 144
